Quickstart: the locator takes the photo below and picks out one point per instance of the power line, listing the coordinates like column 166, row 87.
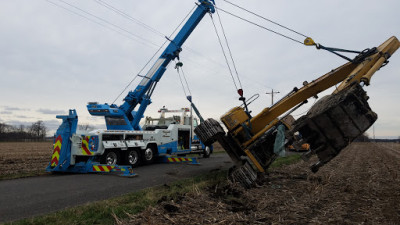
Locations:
column 258, row 25
column 129, row 17
column 143, row 41
column 96, row 22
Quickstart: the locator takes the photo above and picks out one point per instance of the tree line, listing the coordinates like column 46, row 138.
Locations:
column 35, row 132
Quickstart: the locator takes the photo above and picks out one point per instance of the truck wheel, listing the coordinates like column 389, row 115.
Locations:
column 206, row 152
column 148, row 155
column 111, row 157
column 133, row 158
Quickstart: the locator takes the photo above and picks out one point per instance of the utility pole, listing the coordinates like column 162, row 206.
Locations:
column 272, row 95
column 373, row 131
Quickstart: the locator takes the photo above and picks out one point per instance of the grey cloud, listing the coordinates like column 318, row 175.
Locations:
column 6, row 112
column 51, row 111
column 8, row 108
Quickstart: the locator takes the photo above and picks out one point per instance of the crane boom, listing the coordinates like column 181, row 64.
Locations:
column 124, row 117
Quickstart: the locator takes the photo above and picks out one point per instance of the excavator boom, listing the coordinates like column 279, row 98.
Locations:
column 340, row 117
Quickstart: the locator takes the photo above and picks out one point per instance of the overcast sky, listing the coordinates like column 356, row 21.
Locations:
column 53, row 60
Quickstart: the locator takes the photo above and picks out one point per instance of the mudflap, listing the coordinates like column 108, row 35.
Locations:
column 334, row 122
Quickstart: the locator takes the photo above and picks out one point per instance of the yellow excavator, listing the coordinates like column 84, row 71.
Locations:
column 329, row 126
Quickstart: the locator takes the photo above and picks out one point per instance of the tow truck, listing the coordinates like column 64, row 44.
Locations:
column 124, row 141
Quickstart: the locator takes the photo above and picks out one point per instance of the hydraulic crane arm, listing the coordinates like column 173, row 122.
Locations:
column 125, row 117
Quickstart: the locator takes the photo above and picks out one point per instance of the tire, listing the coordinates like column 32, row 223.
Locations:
column 207, row 152
column 133, row 158
column 111, row 157
column 149, row 154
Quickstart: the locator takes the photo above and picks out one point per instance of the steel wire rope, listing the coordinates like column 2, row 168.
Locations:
column 167, row 39
column 223, row 51
column 258, row 25
column 229, row 49
column 269, row 20
column 180, row 79
column 137, row 75
column 114, row 25
column 187, row 84
column 126, row 15
column 155, row 31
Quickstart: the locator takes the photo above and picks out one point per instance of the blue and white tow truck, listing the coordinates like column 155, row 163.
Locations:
column 125, row 142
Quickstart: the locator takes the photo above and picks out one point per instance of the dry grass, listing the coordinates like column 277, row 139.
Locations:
column 360, row 186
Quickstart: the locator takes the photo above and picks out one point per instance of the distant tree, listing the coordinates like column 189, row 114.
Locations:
column 38, row 130
column 2, row 128
column 85, row 127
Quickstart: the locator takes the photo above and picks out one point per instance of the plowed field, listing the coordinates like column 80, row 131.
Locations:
column 24, row 158
column 360, row 186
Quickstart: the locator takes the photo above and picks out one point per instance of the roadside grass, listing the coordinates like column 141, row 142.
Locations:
column 291, row 159
column 112, row 210
column 22, row 175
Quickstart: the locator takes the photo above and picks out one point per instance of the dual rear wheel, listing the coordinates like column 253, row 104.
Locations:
column 133, row 157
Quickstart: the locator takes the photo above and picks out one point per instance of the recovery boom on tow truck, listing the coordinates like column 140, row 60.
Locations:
column 81, row 152
column 124, row 117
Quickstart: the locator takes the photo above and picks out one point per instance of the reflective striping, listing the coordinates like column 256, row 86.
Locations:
column 56, row 153
column 179, row 159
column 101, row 168
column 85, row 146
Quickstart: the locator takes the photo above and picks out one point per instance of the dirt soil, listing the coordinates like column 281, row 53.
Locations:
column 24, row 158
column 360, row 186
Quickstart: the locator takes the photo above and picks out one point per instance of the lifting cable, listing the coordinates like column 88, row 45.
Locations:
column 223, row 51
column 138, row 74
column 154, row 55
column 239, row 90
column 179, row 67
column 271, row 21
column 261, row 26
column 308, row 41
column 229, row 49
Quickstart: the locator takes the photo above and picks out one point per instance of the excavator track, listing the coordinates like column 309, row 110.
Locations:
column 209, row 131
column 334, row 122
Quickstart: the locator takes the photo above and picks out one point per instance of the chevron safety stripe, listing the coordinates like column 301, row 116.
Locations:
column 179, row 159
column 102, row 168
column 56, row 153
column 85, row 146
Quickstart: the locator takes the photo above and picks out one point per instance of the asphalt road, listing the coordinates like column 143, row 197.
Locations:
column 28, row 197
